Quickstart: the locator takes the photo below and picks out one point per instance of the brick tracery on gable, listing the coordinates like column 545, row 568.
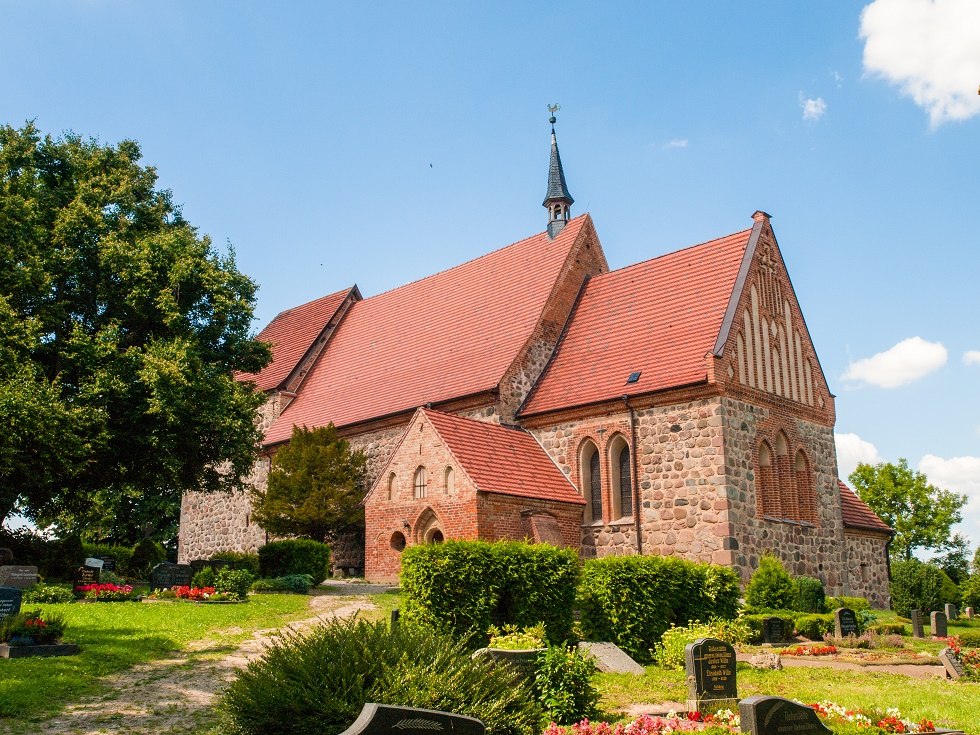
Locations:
column 785, row 484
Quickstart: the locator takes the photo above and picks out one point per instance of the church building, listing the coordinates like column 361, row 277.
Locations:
column 672, row 407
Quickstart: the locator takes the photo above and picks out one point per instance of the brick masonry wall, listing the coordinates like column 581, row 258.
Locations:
column 867, row 567
column 500, row 518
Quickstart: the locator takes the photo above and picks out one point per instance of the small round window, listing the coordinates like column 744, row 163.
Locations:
column 398, row 541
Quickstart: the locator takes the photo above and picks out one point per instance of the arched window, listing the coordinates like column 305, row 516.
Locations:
column 391, row 486
column 621, row 478
column 590, row 475
column 450, row 481
column 768, row 494
column 806, row 492
column 419, row 482
column 625, row 483
column 398, row 541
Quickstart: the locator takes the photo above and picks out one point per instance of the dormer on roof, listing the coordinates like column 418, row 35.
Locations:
column 557, row 201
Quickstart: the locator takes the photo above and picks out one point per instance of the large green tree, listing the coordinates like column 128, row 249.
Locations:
column 120, row 330
column 920, row 513
column 315, row 487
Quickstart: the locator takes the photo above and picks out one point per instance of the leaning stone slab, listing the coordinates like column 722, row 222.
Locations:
column 777, row 716
column 383, row 719
column 610, row 658
column 59, row 649
column 954, row 667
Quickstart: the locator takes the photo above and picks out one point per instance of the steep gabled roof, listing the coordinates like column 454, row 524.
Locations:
column 450, row 335
column 659, row 318
column 857, row 514
column 504, row 460
column 292, row 334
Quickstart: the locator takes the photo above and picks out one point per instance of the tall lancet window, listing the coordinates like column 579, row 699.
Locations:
column 595, row 486
column 625, row 482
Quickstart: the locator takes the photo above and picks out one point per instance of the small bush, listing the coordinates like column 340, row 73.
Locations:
column 48, row 593
column 513, row 638
column 32, row 627
column 970, row 592
column 857, row 604
column 233, row 582
column 754, row 623
column 239, row 560
column 888, row 629
column 669, row 653
column 296, row 583
column 563, row 683
column 808, row 595
column 770, row 586
column 969, row 638
column 204, row 578
column 146, row 555
column 295, row 556
column 319, row 682
column 815, row 627
column 916, row 584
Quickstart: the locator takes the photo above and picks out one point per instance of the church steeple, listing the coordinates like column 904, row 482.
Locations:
column 557, row 201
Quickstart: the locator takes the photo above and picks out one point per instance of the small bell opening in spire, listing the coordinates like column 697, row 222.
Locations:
column 557, row 201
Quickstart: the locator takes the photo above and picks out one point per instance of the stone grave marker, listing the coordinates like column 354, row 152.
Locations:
column 969, row 613
column 166, row 575
column 21, row 577
column 383, row 719
column 951, row 612
column 954, row 667
column 610, row 658
column 9, row 601
column 917, row 631
column 845, row 622
column 762, row 715
column 710, row 666
column 86, row 575
column 94, row 561
column 6, row 555
column 938, row 624
column 773, row 630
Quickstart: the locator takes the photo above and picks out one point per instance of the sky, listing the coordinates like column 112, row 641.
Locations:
column 375, row 143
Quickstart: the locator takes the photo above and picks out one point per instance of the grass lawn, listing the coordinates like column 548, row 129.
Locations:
column 115, row 636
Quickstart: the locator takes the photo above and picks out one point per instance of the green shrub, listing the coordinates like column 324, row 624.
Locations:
column 970, row 592
column 240, row 560
column 513, row 638
column 563, row 683
column 916, row 584
column 857, row 604
column 770, row 586
column 969, row 638
column 204, row 578
column 146, row 555
column 669, row 653
column 295, row 556
column 754, row 622
column 462, row 587
column 951, row 592
column 808, row 595
column 296, row 583
column 122, row 555
column 632, row 600
column 233, row 582
column 815, row 627
column 319, row 682
column 48, row 593
column 888, row 628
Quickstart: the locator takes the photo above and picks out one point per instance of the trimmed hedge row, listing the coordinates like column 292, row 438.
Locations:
column 632, row 600
column 463, row 587
column 295, row 556
column 754, row 622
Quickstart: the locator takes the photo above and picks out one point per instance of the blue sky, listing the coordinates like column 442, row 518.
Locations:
column 333, row 143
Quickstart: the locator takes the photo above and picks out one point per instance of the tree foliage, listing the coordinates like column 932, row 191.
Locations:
column 315, row 486
column 920, row 513
column 120, row 331
column 955, row 559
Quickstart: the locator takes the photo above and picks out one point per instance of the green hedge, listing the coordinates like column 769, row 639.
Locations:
column 296, row 583
column 146, row 555
column 295, row 556
column 122, row 555
column 815, row 627
column 770, row 586
column 754, row 622
column 632, row 600
column 917, row 585
column 808, row 595
column 857, row 604
column 888, row 629
column 463, row 587
column 240, row 560
column 969, row 638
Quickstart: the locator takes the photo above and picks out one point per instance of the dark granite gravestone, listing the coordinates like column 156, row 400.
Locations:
column 954, row 667
column 951, row 612
column 166, row 575
column 845, row 622
column 383, row 719
column 21, row 577
column 777, row 716
column 86, row 575
column 9, row 601
column 773, row 630
column 108, row 563
column 710, row 666
column 938, row 624
column 6, row 555
column 917, row 631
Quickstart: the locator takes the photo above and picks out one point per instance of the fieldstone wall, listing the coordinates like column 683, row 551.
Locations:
column 867, row 566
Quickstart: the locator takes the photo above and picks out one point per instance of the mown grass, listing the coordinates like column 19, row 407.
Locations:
column 116, row 636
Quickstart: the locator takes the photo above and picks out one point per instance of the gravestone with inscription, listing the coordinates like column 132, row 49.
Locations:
column 951, row 612
column 845, row 622
column 384, row 719
column 710, row 666
column 777, row 716
column 108, row 563
column 94, row 561
column 938, row 624
column 166, row 575
column 952, row 664
column 21, row 577
column 917, row 631
column 773, row 630
column 86, row 574
column 9, row 601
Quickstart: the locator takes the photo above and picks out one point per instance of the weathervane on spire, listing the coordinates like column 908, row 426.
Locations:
column 553, row 109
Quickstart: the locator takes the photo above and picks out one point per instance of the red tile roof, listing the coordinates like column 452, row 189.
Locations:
column 659, row 318
column 857, row 514
column 450, row 335
column 292, row 333
column 503, row 460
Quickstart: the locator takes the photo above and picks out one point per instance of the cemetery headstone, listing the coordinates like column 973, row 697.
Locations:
column 762, row 715
column 954, row 667
column 21, row 577
column 610, row 658
column 917, row 631
column 938, row 624
column 9, row 601
column 845, row 622
column 94, row 561
column 710, row 666
column 951, row 612
column 6, row 555
column 395, row 614
column 384, row 719
column 86, row 575
column 969, row 613
column 773, row 630
column 166, row 575
column 108, row 563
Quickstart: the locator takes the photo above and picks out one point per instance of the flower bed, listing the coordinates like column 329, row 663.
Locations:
column 809, row 651
column 193, row 594
column 970, row 658
column 105, row 592
column 889, row 721
column 33, row 634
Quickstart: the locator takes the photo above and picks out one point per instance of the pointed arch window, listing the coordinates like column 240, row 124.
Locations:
column 595, row 486
column 450, row 481
column 391, row 486
column 590, row 474
column 621, row 477
column 625, row 483
column 419, row 482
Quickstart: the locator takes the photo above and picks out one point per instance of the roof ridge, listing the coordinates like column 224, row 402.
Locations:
column 309, row 303
column 675, row 252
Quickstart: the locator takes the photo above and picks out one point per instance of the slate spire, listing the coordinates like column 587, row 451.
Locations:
column 557, row 201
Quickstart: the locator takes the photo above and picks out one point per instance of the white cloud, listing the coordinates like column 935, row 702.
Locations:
column 971, row 357
column 961, row 475
column 852, row 450
column 676, row 143
column 813, row 109
column 930, row 49
column 906, row 362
